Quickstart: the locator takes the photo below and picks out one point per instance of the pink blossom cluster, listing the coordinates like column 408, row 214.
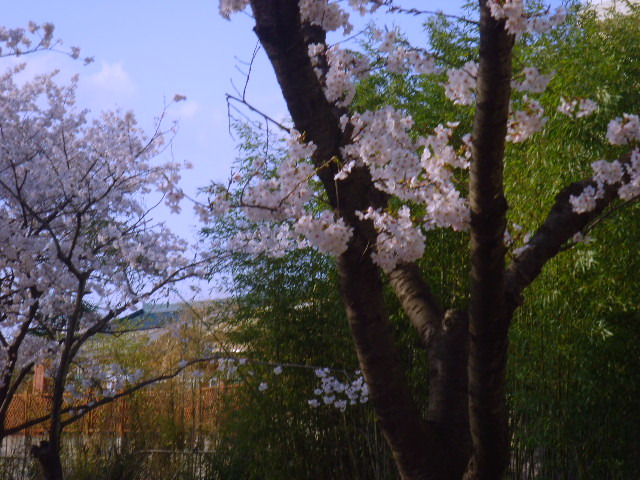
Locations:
column 620, row 131
column 282, row 196
column 324, row 13
column 328, row 15
column 324, row 232
column 402, row 59
column 16, row 41
column 518, row 21
column 331, row 391
column 36, row 37
column 339, row 394
column 461, row 85
column 624, row 130
column 578, row 108
column 398, row 58
column 275, row 208
column 610, row 173
column 586, row 201
column 445, row 206
column 273, row 239
column 345, row 66
column 533, row 82
column 382, row 143
column 581, row 238
column 524, row 123
column 631, row 189
column 399, row 240
column 229, row 7
column 607, row 172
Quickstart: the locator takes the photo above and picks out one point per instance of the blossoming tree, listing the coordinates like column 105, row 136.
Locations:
column 386, row 186
column 78, row 245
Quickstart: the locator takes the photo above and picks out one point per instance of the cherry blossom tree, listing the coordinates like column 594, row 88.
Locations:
column 15, row 42
column 79, row 247
column 387, row 186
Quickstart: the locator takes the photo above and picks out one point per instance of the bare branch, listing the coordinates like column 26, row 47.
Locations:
column 254, row 109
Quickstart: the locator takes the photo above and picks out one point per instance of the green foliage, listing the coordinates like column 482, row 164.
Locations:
column 575, row 354
column 574, row 344
column 288, row 312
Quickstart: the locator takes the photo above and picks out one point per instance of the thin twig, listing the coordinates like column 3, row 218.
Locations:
column 256, row 49
column 229, row 97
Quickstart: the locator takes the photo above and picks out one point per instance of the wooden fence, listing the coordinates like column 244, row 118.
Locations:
column 196, row 408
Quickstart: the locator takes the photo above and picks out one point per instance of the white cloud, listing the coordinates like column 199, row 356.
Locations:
column 184, row 110
column 112, row 80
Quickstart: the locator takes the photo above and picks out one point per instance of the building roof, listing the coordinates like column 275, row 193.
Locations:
column 153, row 315
column 159, row 315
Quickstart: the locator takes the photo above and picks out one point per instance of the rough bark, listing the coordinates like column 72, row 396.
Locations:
column 12, row 381
column 280, row 32
column 448, row 410
column 488, row 319
column 60, row 379
column 48, row 455
column 417, row 301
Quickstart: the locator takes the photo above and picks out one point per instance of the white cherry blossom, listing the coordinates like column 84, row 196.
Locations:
column 624, row 130
column 524, row 123
column 461, row 85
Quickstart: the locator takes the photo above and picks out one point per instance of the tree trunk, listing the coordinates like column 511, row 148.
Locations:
column 488, row 317
column 448, row 353
column 48, row 455
column 416, row 443
column 413, row 442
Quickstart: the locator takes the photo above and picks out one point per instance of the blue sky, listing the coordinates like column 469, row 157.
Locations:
column 146, row 51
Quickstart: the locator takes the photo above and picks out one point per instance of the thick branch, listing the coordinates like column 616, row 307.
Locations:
column 417, row 301
column 10, row 394
column 8, row 389
column 66, row 357
column 561, row 224
column 449, row 389
column 285, row 41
